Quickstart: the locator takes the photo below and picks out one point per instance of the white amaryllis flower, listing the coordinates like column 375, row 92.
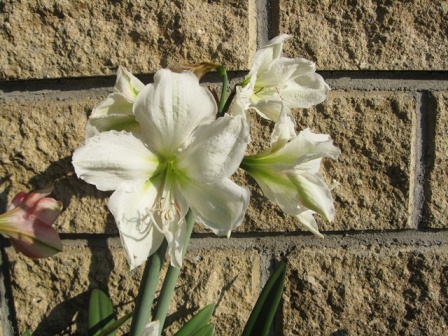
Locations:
column 182, row 159
column 115, row 112
column 288, row 173
column 292, row 80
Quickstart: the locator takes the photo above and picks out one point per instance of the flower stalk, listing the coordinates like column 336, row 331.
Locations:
column 148, row 285
column 147, row 290
column 171, row 277
column 225, row 81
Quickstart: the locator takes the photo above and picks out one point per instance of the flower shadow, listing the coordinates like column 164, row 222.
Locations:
column 75, row 195
column 72, row 313
column 65, row 317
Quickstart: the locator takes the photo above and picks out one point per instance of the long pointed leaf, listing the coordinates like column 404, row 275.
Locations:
column 122, row 320
column 201, row 319
column 117, row 324
column 101, row 312
column 260, row 319
column 207, row 330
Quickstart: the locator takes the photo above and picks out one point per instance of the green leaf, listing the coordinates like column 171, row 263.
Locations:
column 198, row 321
column 27, row 333
column 260, row 319
column 207, row 330
column 114, row 326
column 101, row 312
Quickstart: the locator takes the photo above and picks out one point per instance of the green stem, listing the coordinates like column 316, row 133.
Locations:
column 223, row 73
column 229, row 101
column 147, row 290
column 169, row 283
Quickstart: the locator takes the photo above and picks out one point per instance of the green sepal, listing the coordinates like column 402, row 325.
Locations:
column 26, row 333
column 101, row 312
column 262, row 315
column 198, row 321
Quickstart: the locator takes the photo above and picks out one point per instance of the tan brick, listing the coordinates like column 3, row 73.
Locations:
column 57, row 290
column 42, row 39
column 229, row 278
column 373, row 35
column 38, row 136
column 372, row 290
column 373, row 131
column 436, row 210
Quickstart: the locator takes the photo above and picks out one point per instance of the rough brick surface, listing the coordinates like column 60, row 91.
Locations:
column 373, row 35
column 374, row 132
column 38, row 136
column 371, row 290
column 42, row 39
column 57, row 290
column 436, row 210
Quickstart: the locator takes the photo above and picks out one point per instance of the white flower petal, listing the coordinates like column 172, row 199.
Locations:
column 176, row 242
column 169, row 217
column 308, row 166
column 215, row 150
column 220, row 206
column 115, row 103
column 115, row 112
column 304, row 91
column 241, row 102
column 271, row 109
column 132, row 211
column 277, row 44
column 266, row 55
column 305, row 147
column 284, row 129
column 266, row 93
column 303, row 67
column 128, row 84
column 314, row 193
column 280, row 190
column 117, row 122
column 306, row 218
column 261, row 61
column 111, row 159
column 294, row 193
column 171, row 108
column 283, row 69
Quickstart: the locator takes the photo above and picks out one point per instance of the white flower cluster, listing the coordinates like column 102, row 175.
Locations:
column 163, row 151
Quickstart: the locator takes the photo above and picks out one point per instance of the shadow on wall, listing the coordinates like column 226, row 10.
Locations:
column 65, row 317
column 4, row 193
column 67, row 188
column 72, row 313
column 340, row 332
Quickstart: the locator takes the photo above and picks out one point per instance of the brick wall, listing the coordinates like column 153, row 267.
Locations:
column 382, row 267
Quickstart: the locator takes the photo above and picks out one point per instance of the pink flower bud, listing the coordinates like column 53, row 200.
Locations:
column 28, row 224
